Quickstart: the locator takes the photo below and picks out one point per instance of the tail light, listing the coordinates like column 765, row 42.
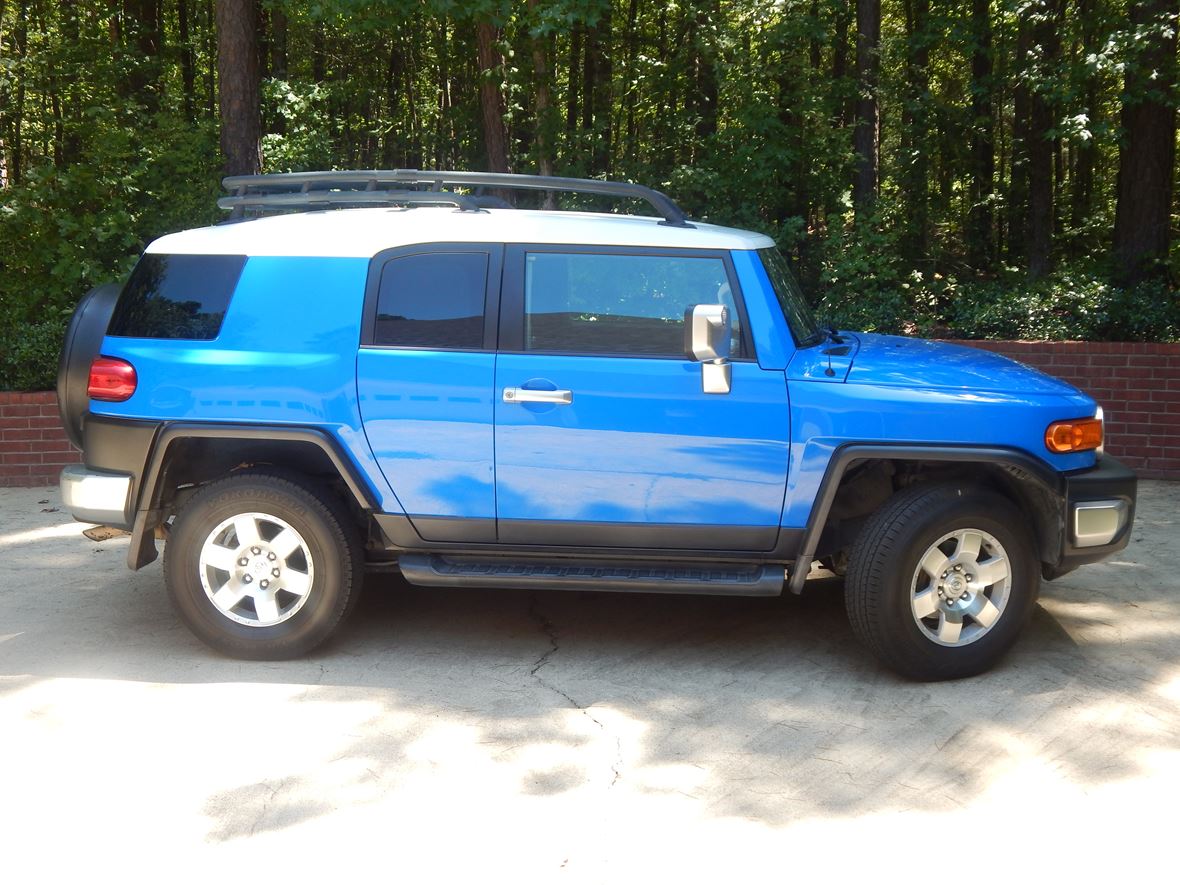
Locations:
column 1077, row 435
column 111, row 380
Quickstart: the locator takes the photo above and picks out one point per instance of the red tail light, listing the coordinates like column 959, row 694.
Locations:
column 111, row 380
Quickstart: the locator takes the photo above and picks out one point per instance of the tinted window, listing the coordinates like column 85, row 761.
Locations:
column 582, row 303
column 433, row 300
column 176, row 296
column 790, row 297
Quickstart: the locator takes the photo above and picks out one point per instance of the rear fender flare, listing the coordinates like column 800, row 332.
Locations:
column 147, row 512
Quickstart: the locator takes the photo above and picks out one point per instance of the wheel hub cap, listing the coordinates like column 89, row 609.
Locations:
column 960, row 587
column 256, row 569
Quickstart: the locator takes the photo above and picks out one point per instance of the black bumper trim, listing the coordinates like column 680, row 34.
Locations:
column 1108, row 480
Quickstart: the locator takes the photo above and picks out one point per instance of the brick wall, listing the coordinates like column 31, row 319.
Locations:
column 1138, row 386
column 33, row 447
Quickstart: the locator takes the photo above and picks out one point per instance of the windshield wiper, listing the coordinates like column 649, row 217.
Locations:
column 824, row 332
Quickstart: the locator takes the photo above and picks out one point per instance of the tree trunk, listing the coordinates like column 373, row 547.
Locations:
column 631, row 93
column 444, row 130
column 278, row 43
column 866, row 137
column 1039, row 230
column 1084, row 152
column 705, row 89
column 188, row 74
column 210, row 50
column 543, row 107
column 491, row 98
column 916, row 130
column 238, row 98
column 1018, row 175
column 16, row 158
column 392, row 154
column 142, row 26
column 572, row 111
column 980, row 252
column 840, row 66
column 319, row 65
column 1147, row 157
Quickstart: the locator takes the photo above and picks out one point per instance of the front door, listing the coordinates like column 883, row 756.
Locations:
column 624, row 449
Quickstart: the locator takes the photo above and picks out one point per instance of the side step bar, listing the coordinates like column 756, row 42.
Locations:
column 430, row 570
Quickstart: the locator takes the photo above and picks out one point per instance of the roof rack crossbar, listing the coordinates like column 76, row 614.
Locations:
column 319, row 199
column 341, row 188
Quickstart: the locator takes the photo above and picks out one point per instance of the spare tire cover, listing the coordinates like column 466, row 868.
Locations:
column 83, row 339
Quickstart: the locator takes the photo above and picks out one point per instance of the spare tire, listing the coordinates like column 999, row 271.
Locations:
column 83, row 339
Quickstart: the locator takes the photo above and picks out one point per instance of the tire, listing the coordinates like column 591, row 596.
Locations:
column 895, row 576
column 302, row 574
column 81, row 344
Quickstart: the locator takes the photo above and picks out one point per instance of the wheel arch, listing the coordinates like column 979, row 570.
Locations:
column 1032, row 485
column 188, row 454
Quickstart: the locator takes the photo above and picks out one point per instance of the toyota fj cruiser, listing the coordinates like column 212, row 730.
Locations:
column 408, row 372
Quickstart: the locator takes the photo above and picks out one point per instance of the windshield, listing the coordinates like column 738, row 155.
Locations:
column 790, row 298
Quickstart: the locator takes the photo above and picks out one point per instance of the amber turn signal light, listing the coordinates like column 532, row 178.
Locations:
column 1078, row 435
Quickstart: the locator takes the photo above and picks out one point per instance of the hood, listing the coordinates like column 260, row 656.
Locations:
column 891, row 360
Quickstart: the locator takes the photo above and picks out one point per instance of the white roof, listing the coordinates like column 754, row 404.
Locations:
column 362, row 233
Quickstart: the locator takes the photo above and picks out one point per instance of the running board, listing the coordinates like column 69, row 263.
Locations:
column 429, row 570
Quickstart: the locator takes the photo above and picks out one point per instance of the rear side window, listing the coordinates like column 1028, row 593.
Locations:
column 177, row 296
column 433, row 300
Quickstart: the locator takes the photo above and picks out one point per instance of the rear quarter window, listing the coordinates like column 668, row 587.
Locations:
column 177, row 296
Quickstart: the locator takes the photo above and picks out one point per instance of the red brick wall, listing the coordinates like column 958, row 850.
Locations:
column 33, row 447
column 1138, row 386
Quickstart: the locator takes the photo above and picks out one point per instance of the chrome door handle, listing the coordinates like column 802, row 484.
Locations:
column 524, row 395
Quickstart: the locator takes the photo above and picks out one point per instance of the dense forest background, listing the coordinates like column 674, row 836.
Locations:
column 987, row 168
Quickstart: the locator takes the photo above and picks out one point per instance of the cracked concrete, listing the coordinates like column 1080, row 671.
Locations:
column 580, row 736
column 551, row 634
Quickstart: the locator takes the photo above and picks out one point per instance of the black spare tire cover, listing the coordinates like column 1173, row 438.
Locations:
column 83, row 339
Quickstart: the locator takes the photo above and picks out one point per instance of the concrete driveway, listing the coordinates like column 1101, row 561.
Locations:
column 526, row 737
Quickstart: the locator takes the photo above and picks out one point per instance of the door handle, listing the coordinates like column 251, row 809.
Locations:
column 525, row 395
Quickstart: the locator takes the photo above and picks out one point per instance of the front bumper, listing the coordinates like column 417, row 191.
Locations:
column 97, row 496
column 1099, row 513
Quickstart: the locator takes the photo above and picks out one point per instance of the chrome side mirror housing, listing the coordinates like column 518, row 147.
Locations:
column 707, row 335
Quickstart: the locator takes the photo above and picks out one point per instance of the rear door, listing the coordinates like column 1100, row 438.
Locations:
column 630, row 452
column 425, row 376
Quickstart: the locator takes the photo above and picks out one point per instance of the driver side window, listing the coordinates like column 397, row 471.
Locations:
column 623, row 304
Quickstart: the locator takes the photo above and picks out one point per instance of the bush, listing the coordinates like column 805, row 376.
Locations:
column 29, row 354
column 864, row 285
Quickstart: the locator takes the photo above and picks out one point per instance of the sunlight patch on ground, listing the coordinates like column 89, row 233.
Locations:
column 48, row 533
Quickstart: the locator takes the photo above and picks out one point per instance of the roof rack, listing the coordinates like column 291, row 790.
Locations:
column 293, row 190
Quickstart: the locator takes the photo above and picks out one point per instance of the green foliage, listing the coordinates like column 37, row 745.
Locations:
column 744, row 112
column 303, row 141
column 1077, row 302
column 29, row 353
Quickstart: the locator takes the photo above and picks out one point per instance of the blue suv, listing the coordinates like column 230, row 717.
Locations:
column 399, row 369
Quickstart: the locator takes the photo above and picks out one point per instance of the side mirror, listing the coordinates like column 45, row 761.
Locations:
column 707, row 332
column 707, row 336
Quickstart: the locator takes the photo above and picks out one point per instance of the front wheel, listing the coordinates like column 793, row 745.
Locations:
column 941, row 581
column 261, row 567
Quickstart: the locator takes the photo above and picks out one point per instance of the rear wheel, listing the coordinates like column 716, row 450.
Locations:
column 941, row 581
column 260, row 566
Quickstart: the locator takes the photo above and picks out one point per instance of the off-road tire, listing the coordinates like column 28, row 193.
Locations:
column 331, row 540
column 885, row 559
